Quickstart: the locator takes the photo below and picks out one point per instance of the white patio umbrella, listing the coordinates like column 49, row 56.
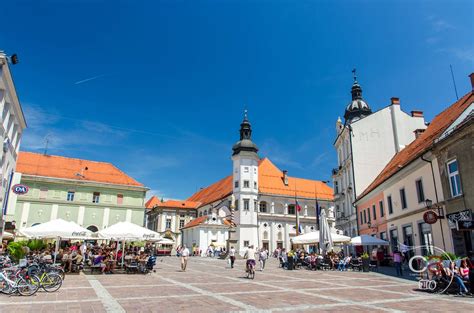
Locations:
column 8, row 235
column 126, row 231
column 313, row 238
column 366, row 240
column 165, row 241
column 325, row 236
column 58, row 229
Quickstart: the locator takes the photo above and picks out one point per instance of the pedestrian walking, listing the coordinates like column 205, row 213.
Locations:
column 232, row 256
column 263, row 256
column 397, row 261
column 184, row 258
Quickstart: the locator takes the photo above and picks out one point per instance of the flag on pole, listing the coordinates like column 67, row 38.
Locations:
column 300, row 229
column 298, row 207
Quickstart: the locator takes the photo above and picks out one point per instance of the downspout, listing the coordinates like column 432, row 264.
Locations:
column 436, row 195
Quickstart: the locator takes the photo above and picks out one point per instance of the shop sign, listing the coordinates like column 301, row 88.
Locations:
column 453, row 218
column 430, row 217
column 20, row 189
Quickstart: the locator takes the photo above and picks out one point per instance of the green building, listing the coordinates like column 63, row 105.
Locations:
column 93, row 194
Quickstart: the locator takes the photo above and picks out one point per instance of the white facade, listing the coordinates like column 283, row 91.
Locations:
column 11, row 128
column 211, row 231
column 364, row 147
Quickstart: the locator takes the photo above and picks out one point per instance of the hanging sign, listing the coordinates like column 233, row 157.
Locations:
column 20, row 189
column 430, row 217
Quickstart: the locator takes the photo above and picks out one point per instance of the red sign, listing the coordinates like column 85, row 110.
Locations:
column 430, row 217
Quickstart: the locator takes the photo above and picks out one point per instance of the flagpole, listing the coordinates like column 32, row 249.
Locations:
column 297, row 215
column 317, row 204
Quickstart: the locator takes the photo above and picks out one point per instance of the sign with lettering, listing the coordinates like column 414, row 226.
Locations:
column 20, row 189
column 453, row 218
column 430, row 217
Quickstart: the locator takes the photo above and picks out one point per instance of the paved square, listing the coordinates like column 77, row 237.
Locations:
column 209, row 286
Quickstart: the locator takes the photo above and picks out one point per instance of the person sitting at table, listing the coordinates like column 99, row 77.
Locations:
column 453, row 272
column 344, row 263
column 66, row 261
column 99, row 262
column 312, row 261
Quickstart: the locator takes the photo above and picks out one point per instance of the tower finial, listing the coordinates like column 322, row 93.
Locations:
column 245, row 113
column 354, row 74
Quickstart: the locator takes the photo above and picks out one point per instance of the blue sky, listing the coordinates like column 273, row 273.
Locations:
column 158, row 87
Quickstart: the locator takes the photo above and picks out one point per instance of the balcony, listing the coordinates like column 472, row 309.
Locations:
column 336, row 170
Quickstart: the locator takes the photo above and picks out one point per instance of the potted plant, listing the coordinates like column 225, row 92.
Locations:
column 365, row 262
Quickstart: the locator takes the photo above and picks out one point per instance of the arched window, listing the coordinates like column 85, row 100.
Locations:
column 93, row 228
column 205, row 212
column 200, row 214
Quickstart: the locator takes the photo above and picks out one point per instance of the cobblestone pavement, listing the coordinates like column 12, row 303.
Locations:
column 208, row 286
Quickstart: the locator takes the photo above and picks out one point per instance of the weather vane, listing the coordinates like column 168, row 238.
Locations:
column 354, row 73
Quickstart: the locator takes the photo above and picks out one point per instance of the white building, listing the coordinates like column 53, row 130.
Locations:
column 11, row 129
column 264, row 200
column 365, row 143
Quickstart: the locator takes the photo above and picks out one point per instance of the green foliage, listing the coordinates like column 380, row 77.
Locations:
column 138, row 244
column 365, row 255
column 16, row 249
column 449, row 256
column 36, row 244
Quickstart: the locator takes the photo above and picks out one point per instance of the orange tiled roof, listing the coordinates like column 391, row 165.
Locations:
column 62, row 167
column 214, row 192
column 421, row 144
column 271, row 182
column 200, row 220
column 155, row 202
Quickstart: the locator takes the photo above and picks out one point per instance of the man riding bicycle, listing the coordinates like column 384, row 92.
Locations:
column 251, row 257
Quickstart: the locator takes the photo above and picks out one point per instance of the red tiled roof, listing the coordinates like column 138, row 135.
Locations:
column 200, row 220
column 214, row 192
column 421, row 144
column 69, row 168
column 270, row 182
column 155, row 202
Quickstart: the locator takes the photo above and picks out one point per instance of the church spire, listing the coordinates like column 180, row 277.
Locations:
column 245, row 143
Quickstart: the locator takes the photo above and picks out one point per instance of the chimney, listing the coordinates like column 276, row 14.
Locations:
column 285, row 177
column 472, row 81
column 395, row 100
column 418, row 132
column 417, row 113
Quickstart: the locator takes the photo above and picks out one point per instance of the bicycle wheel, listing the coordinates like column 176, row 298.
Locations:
column 27, row 286
column 51, row 282
column 59, row 271
column 6, row 288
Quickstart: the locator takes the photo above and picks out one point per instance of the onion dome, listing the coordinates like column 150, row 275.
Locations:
column 357, row 108
column 245, row 143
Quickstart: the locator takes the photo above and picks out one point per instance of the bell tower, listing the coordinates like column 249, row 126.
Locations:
column 245, row 187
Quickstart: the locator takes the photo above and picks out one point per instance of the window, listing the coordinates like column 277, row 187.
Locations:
column 394, row 239
column 43, row 193
column 168, row 223
column 291, row 209
column 373, row 211
column 336, row 187
column 96, row 197
column 365, row 217
column 419, row 191
column 361, row 220
column 246, row 184
column 246, row 169
column 181, row 223
column 255, row 206
column 119, row 199
column 389, row 203
column 70, row 196
column 181, row 215
column 236, row 184
column 368, row 213
column 263, row 207
column 200, row 214
column 382, row 213
column 426, row 238
column 246, row 243
column 254, row 185
column 205, row 212
column 403, row 198
column 246, row 205
column 383, row 235
column 454, row 178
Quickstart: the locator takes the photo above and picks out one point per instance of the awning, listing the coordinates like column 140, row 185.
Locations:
column 366, row 240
